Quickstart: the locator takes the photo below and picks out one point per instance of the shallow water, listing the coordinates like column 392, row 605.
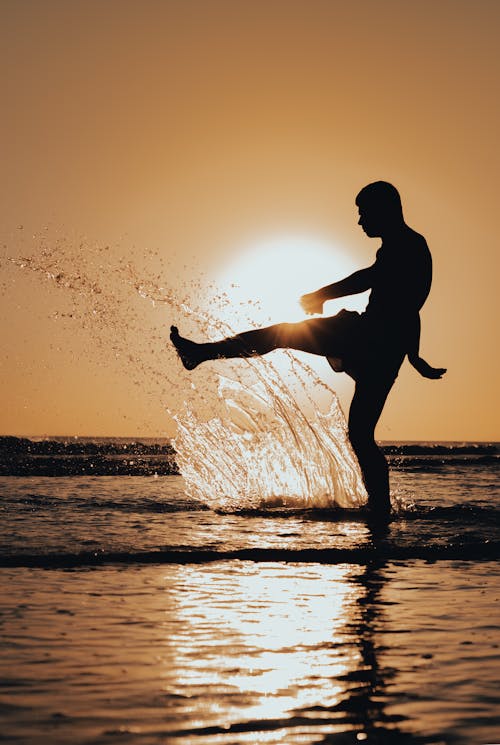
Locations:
column 236, row 652
column 142, row 617
column 447, row 507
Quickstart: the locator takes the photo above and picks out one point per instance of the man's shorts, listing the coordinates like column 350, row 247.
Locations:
column 354, row 344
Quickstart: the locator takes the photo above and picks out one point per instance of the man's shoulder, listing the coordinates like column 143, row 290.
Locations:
column 415, row 239
column 407, row 244
column 416, row 246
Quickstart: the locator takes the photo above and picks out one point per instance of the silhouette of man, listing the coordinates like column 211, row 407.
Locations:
column 370, row 346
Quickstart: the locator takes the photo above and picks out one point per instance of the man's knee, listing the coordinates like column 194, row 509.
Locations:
column 283, row 334
column 360, row 437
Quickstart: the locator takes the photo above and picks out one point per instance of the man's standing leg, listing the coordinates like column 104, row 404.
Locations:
column 366, row 407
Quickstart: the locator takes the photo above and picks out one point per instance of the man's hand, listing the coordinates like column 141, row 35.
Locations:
column 426, row 370
column 312, row 303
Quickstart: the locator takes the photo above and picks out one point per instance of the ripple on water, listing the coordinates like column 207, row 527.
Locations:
column 232, row 651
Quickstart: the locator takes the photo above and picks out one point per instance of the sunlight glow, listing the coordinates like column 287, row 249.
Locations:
column 277, row 654
column 265, row 282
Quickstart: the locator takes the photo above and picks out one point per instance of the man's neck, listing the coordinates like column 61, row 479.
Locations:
column 393, row 231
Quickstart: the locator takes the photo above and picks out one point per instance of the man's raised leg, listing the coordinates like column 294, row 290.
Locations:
column 247, row 344
column 308, row 336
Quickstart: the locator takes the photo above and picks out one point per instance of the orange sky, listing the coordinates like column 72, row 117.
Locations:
column 197, row 127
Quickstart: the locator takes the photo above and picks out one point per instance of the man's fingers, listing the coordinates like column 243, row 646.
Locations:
column 310, row 304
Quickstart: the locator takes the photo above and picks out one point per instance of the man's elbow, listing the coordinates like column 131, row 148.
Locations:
column 364, row 280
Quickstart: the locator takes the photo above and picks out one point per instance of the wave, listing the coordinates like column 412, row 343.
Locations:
column 94, row 465
column 479, row 551
column 412, row 463
column 35, row 502
column 470, row 513
column 21, row 456
column 64, row 456
column 441, row 448
column 161, row 446
column 466, row 513
column 166, row 465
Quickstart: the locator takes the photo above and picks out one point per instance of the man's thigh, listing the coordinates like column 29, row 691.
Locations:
column 327, row 337
column 370, row 395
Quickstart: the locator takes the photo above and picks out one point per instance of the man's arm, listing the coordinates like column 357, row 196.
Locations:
column 352, row 285
column 414, row 358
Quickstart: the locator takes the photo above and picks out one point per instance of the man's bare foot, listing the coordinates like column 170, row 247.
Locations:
column 188, row 351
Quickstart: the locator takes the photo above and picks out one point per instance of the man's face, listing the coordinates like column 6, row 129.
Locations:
column 370, row 221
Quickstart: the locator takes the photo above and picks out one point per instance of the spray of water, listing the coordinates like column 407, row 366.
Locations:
column 264, row 450
column 251, row 438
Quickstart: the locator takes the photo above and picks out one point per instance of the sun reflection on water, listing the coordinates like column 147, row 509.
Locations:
column 275, row 643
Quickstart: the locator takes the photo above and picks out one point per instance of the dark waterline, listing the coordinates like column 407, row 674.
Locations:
column 69, row 456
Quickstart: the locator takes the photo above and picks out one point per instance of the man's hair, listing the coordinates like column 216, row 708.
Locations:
column 381, row 195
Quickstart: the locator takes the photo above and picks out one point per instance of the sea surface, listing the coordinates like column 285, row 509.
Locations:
column 132, row 613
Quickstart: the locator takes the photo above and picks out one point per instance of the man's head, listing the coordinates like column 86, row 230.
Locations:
column 380, row 210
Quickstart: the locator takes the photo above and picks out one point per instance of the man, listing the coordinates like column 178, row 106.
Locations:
column 371, row 346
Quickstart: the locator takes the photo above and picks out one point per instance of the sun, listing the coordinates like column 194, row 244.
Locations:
column 264, row 284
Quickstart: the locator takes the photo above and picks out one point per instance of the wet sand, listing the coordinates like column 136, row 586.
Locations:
column 243, row 652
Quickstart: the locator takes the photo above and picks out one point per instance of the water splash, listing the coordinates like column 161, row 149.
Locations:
column 250, row 438
column 264, row 450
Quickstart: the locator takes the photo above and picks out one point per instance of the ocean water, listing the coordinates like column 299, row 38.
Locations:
column 134, row 613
